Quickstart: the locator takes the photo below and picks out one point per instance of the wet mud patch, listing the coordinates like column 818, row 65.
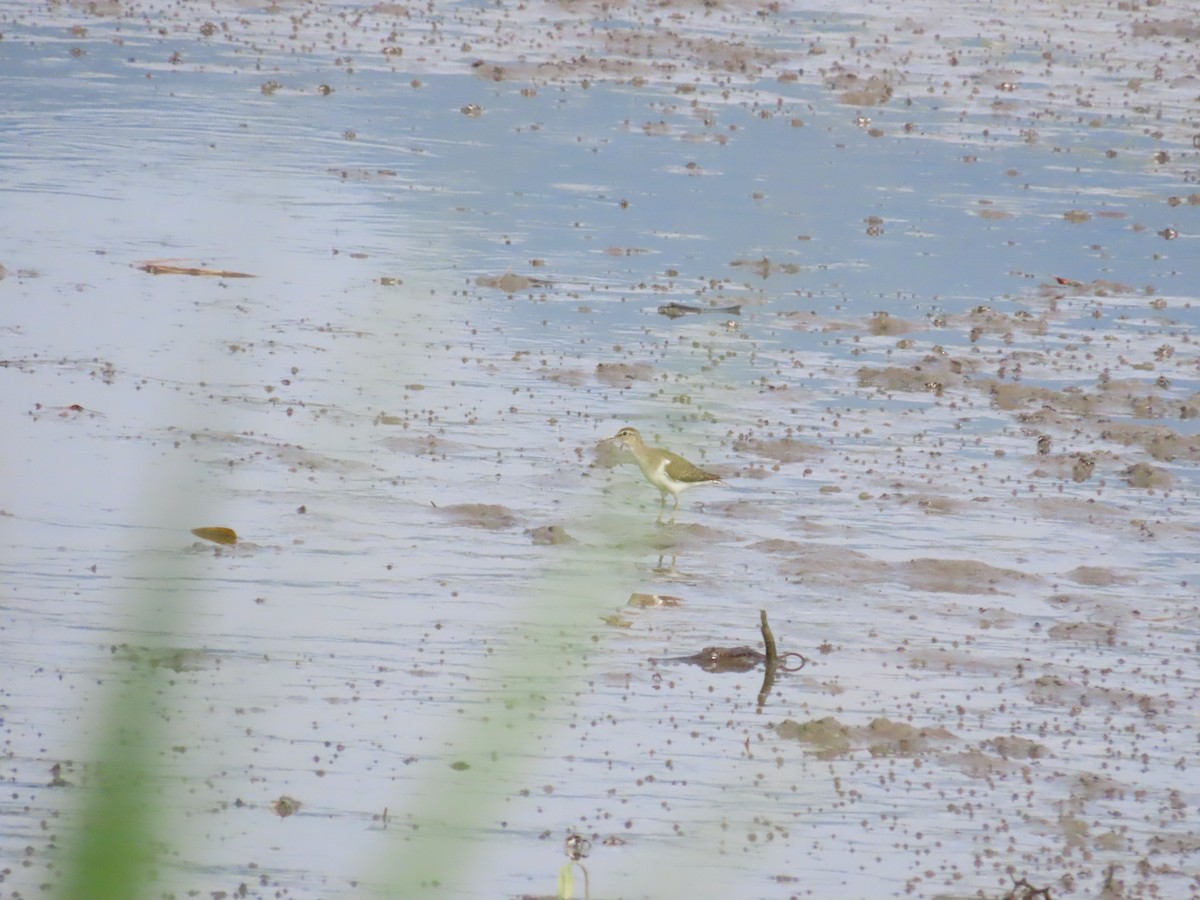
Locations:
column 1074, row 510
column 623, row 374
column 1097, row 576
column 428, row 444
column 781, row 450
column 488, row 516
column 866, row 90
column 642, row 600
column 568, row 377
column 975, row 763
column 1163, row 443
column 1093, row 633
column 884, row 324
column 933, row 376
column 582, row 69
column 830, row 738
column 512, row 283
column 175, row 659
column 956, row 657
column 255, row 452
column 963, row 576
column 825, row 562
column 1115, row 401
column 1076, row 467
column 1010, row 747
column 1147, row 477
column 984, row 320
column 550, row 535
column 1061, row 691
column 997, row 757
column 674, row 537
column 931, row 503
column 710, row 53
column 743, row 510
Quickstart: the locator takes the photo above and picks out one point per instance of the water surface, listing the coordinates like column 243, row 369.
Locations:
column 956, row 421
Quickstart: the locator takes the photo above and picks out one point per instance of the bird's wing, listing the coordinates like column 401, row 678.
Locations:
column 682, row 470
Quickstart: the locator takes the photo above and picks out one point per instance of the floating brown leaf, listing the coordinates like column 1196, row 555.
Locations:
column 217, row 534
column 158, row 267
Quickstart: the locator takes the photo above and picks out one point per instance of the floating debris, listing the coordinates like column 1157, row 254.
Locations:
column 161, row 267
column 510, row 282
column 56, row 776
column 646, row 601
column 829, row 738
column 550, row 534
column 675, row 310
column 285, row 806
column 743, row 658
column 724, row 659
column 218, row 534
column 177, row 659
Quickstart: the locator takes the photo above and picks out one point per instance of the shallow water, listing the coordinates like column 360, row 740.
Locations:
column 1001, row 251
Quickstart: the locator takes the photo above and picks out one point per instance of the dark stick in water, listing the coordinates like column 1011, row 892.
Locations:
column 675, row 310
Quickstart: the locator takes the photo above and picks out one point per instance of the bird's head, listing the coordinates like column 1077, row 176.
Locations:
column 628, row 437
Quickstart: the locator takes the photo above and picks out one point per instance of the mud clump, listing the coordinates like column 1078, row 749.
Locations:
column 783, row 450
column 1093, row 576
column 1161, row 442
column 1147, row 477
column 960, row 576
column 880, row 738
column 622, row 374
column 933, row 377
column 548, row 535
column 489, row 516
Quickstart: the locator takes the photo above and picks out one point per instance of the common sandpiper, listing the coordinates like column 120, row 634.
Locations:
column 667, row 471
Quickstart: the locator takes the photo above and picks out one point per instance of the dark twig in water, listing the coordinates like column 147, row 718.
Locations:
column 675, row 310
column 773, row 657
column 768, row 639
column 772, row 660
column 796, row 668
